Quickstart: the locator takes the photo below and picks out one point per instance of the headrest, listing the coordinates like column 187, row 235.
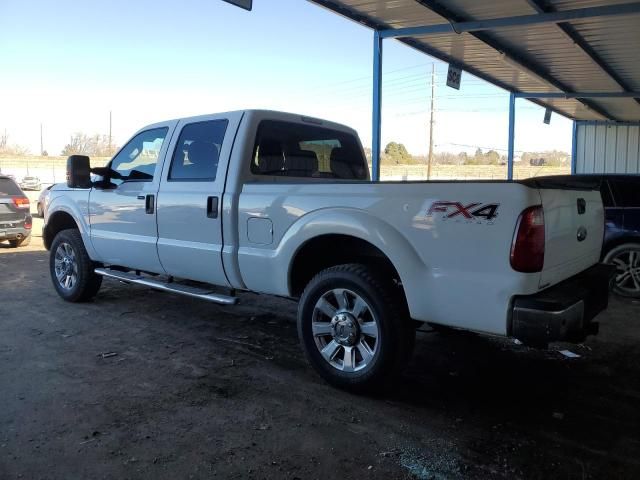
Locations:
column 203, row 153
column 269, row 147
column 342, row 167
column 270, row 159
column 304, row 162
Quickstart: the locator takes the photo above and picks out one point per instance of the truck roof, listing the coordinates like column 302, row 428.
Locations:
column 271, row 114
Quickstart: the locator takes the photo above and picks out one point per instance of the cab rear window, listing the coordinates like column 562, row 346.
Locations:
column 8, row 188
column 298, row 150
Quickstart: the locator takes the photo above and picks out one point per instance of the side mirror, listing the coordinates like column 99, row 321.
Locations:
column 78, row 172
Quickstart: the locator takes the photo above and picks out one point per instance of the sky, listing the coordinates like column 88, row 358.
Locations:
column 67, row 64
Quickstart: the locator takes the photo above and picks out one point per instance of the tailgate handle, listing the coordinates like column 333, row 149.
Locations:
column 582, row 206
column 212, row 207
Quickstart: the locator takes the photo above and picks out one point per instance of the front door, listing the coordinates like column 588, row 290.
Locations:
column 122, row 210
column 190, row 199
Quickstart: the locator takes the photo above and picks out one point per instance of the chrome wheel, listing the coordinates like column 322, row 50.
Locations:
column 345, row 330
column 627, row 278
column 66, row 266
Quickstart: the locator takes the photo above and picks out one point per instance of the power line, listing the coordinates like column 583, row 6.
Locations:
column 331, row 87
column 432, row 121
column 497, row 149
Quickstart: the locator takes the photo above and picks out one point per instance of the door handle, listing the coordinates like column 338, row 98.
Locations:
column 150, row 203
column 212, row 207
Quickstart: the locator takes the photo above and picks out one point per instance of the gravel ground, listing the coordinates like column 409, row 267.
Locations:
column 141, row 384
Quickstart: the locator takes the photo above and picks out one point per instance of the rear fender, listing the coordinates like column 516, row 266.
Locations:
column 340, row 221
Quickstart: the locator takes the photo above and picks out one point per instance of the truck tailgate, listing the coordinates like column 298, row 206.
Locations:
column 574, row 229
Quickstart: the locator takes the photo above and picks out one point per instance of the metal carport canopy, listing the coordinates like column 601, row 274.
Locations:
column 584, row 53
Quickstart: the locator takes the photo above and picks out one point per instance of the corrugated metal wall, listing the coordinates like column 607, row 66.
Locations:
column 605, row 147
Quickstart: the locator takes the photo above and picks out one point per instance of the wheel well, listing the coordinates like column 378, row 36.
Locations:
column 57, row 222
column 327, row 251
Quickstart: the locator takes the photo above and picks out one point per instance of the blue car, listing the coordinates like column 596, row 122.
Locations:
column 621, row 247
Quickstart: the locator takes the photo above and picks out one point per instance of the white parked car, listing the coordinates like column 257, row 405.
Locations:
column 283, row 204
column 30, row 183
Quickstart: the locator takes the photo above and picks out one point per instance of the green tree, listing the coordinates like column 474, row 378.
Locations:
column 492, row 158
column 397, row 153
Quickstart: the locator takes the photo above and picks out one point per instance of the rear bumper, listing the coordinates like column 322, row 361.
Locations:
column 564, row 312
column 14, row 233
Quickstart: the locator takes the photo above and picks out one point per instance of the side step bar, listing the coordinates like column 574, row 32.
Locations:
column 193, row 292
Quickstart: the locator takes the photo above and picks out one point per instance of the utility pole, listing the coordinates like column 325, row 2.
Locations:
column 41, row 143
column 109, row 132
column 432, row 121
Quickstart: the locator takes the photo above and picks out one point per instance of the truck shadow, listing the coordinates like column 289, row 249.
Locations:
column 585, row 405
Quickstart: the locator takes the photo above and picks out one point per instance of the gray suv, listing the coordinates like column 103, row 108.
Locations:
column 15, row 216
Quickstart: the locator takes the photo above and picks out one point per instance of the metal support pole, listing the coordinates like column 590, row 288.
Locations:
column 574, row 148
column 110, row 152
column 432, row 121
column 376, row 132
column 512, row 130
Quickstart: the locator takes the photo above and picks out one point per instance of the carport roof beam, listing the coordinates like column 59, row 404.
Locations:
column 563, row 95
column 535, row 19
column 542, row 6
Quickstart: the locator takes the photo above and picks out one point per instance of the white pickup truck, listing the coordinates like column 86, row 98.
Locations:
column 283, row 204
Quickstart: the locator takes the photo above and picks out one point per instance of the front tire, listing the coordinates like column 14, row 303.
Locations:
column 72, row 271
column 626, row 259
column 354, row 327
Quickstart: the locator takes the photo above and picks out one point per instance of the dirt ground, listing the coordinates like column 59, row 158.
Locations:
column 142, row 384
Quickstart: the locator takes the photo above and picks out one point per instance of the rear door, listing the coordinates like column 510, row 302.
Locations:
column 574, row 228
column 190, row 237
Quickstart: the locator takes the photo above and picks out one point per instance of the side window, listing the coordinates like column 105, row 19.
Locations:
column 138, row 159
column 626, row 192
column 198, row 151
column 297, row 150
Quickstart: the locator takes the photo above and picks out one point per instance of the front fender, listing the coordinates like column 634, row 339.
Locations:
column 74, row 203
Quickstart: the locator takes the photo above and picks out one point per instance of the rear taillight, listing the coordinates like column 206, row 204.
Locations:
column 527, row 249
column 27, row 223
column 21, row 202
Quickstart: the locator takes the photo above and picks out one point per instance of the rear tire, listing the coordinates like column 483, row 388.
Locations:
column 72, row 271
column 626, row 259
column 354, row 327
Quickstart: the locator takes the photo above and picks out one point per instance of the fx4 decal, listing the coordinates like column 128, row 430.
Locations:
column 471, row 213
